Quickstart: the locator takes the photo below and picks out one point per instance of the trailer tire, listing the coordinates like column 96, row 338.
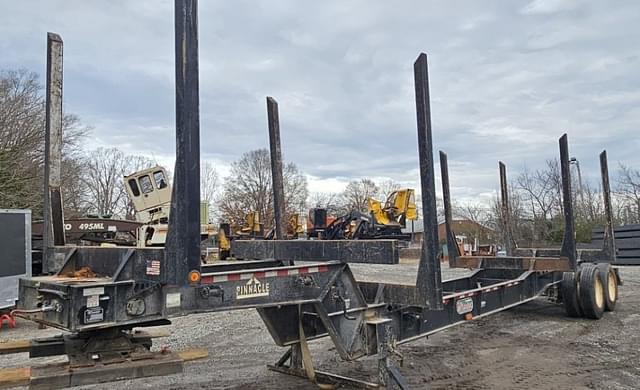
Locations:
column 569, row 288
column 610, row 284
column 591, row 291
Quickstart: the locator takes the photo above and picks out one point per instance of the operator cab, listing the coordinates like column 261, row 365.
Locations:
column 150, row 193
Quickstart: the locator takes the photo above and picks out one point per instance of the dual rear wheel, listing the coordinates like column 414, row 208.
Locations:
column 590, row 291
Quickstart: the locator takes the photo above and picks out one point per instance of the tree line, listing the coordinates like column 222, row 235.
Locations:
column 92, row 181
column 536, row 214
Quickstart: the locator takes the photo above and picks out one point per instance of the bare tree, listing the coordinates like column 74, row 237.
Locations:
column 326, row 200
column 541, row 193
column 105, row 169
column 22, row 115
column 355, row 195
column 209, row 187
column 248, row 188
column 628, row 187
column 103, row 180
column 472, row 211
column 519, row 223
column 387, row 187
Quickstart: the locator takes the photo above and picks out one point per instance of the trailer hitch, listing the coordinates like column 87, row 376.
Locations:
column 211, row 291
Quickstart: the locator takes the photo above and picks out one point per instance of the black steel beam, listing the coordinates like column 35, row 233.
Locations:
column 568, row 248
column 346, row 251
column 506, row 212
column 428, row 282
column 53, row 233
column 183, row 237
column 609, row 244
column 276, row 167
column 453, row 250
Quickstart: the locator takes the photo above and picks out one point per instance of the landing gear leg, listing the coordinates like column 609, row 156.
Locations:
column 388, row 373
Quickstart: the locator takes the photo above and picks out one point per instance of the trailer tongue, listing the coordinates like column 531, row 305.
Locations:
column 101, row 294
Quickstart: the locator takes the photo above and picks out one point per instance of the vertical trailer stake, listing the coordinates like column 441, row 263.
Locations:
column 452, row 245
column 182, row 249
column 569, row 240
column 609, row 243
column 506, row 212
column 276, row 167
column 53, row 227
column 428, row 282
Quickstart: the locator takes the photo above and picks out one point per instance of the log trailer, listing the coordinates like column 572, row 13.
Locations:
column 298, row 302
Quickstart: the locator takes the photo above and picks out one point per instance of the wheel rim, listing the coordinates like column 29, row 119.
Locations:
column 612, row 286
column 599, row 290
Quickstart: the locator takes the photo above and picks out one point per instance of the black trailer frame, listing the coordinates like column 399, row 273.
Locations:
column 136, row 287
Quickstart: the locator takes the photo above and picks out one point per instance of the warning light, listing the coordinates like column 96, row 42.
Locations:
column 194, row 277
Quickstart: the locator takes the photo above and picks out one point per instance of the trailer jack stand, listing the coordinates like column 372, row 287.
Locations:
column 300, row 364
column 388, row 373
column 324, row 380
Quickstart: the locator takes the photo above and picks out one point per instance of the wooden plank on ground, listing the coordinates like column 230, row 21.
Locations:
column 53, row 376
column 14, row 346
column 17, row 346
column 12, row 377
column 193, row 354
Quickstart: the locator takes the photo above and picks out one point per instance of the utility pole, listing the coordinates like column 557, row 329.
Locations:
column 575, row 161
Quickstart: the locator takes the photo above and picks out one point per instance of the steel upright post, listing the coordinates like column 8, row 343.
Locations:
column 183, row 239
column 452, row 245
column 428, row 282
column 276, row 167
column 53, row 228
column 505, row 209
column 609, row 242
column 569, row 240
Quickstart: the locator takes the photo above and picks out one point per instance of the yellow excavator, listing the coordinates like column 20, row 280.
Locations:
column 380, row 222
column 252, row 227
column 398, row 209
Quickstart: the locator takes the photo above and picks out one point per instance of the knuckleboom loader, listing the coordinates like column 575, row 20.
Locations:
column 381, row 222
column 150, row 193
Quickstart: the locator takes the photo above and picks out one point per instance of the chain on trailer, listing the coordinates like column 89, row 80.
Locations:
column 129, row 288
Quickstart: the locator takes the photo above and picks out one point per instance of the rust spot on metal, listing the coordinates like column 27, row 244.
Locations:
column 84, row 272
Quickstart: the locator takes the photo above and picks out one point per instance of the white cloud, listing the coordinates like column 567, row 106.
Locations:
column 549, row 6
column 505, row 84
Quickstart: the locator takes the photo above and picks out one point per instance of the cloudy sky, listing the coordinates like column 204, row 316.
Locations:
column 507, row 79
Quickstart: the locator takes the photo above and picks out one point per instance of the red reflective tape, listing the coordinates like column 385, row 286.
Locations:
column 303, row 270
column 323, row 268
column 260, row 274
column 233, row 277
column 283, row 273
column 207, row 279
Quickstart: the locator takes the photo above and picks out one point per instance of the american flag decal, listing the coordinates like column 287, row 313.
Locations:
column 153, row 267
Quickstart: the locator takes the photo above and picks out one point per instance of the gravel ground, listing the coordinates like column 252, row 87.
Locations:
column 531, row 346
